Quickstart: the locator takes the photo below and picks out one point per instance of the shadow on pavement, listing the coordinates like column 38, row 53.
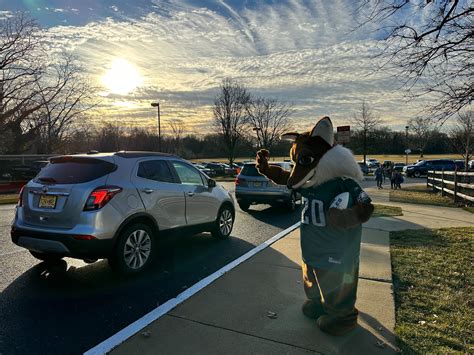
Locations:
column 61, row 308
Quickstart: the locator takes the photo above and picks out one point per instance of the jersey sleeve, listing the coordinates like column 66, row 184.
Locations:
column 357, row 193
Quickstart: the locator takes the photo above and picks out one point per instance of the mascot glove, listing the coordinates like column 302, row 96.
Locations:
column 262, row 161
column 347, row 218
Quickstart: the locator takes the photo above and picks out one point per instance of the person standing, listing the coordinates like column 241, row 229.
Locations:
column 393, row 177
column 379, row 177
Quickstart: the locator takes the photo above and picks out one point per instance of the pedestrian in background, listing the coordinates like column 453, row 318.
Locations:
column 379, row 177
column 398, row 180
column 393, row 176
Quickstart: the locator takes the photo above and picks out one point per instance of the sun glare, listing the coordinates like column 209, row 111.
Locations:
column 122, row 77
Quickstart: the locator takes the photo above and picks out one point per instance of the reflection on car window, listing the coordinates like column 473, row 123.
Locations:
column 187, row 174
column 157, row 170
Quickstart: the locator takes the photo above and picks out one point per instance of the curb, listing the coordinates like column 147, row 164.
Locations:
column 127, row 332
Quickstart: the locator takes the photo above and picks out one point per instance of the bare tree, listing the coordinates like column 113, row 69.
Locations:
column 365, row 121
column 20, row 67
column 177, row 128
column 269, row 118
column 431, row 45
column 65, row 95
column 423, row 129
column 463, row 136
column 230, row 115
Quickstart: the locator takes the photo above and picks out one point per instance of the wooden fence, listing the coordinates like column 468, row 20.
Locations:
column 460, row 185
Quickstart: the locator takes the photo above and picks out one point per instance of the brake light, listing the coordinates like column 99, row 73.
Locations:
column 100, row 197
column 20, row 197
column 240, row 181
column 84, row 237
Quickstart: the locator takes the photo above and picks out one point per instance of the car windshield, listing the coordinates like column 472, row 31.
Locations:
column 420, row 163
column 74, row 170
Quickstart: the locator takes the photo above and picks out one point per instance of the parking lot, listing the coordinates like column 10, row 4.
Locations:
column 83, row 304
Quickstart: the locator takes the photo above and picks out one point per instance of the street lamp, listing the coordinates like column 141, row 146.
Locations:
column 157, row 105
column 406, row 145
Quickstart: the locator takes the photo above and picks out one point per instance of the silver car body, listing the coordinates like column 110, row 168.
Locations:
column 167, row 205
column 256, row 188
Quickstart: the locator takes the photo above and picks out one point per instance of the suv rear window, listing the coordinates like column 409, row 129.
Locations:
column 250, row 170
column 74, row 170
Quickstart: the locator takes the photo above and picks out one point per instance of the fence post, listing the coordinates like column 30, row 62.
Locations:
column 442, row 182
column 428, row 179
column 455, row 187
column 433, row 182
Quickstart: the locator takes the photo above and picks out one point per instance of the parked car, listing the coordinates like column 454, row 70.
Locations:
column 202, row 168
column 363, row 167
column 218, row 168
column 372, row 163
column 253, row 188
column 470, row 165
column 398, row 167
column 460, row 164
column 422, row 167
column 114, row 205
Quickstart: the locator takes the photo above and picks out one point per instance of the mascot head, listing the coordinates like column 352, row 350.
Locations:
column 316, row 159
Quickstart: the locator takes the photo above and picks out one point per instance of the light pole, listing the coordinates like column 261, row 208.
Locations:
column 406, row 145
column 157, row 104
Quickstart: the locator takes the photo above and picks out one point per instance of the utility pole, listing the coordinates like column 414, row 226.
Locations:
column 406, row 145
column 157, row 105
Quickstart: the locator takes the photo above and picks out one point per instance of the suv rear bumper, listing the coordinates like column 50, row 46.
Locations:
column 262, row 197
column 62, row 244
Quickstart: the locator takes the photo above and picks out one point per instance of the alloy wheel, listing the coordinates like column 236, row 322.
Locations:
column 137, row 249
column 225, row 222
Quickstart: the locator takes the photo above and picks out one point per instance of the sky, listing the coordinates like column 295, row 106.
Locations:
column 304, row 53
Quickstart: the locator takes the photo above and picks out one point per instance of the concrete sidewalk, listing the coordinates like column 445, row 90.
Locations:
column 232, row 316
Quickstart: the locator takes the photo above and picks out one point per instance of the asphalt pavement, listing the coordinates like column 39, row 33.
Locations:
column 73, row 306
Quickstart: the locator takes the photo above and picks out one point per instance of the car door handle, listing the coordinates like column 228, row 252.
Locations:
column 190, row 194
column 147, row 191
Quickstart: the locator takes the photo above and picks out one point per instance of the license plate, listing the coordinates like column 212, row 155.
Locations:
column 257, row 184
column 47, row 201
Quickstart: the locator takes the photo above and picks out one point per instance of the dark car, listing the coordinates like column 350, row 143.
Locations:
column 460, row 165
column 363, row 167
column 218, row 168
column 398, row 167
column 422, row 167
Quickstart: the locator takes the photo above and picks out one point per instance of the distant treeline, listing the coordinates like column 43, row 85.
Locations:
column 113, row 138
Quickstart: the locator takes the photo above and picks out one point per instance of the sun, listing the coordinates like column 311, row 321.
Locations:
column 122, row 77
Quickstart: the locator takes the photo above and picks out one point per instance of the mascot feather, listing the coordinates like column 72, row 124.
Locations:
column 334, row 208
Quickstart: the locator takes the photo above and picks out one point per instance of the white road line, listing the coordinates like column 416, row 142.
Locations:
column 118, row 338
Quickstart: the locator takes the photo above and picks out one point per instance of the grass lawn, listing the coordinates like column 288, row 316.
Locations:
column 469, row 208
column 421, row 195
column 386, row 211
column 4, row 199
column 434, row 293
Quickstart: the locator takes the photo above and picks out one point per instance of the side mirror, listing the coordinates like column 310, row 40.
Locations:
column 211, row 183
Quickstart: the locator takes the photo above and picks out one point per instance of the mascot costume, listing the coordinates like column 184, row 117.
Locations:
column 334, row 207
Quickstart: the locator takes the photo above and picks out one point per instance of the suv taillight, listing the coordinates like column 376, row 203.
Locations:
column 100, row 197
column 240, row 182
column 20, row 197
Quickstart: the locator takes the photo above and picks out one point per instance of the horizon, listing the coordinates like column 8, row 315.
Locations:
column 308, row 55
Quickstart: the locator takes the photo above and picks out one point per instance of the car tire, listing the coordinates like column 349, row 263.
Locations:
column 417, row 174
column 224, row 223
column 48, row 258
column 134, row 249
column 244, row 206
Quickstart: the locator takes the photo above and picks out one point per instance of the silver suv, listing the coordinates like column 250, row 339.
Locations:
column 114, row 205
column 253, row 188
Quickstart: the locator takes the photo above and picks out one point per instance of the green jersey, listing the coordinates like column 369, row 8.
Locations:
column 321, row 245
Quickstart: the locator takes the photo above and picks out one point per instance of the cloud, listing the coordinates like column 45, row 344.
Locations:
column 305, row 53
